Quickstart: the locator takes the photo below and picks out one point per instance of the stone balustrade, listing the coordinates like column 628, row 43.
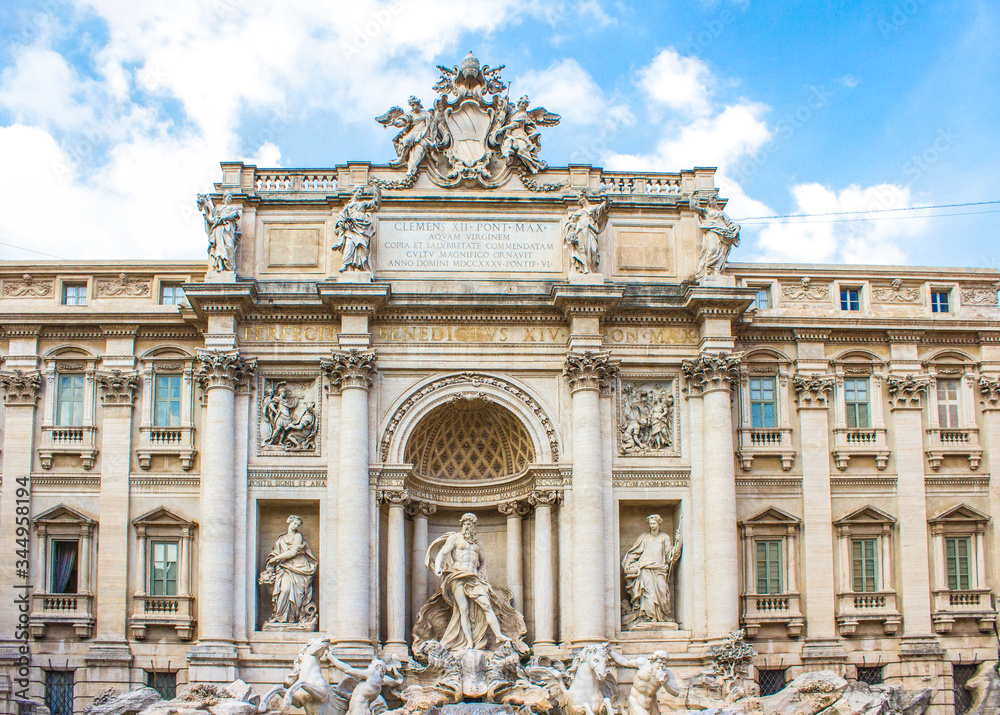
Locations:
column 855, row 608
column 75, row 610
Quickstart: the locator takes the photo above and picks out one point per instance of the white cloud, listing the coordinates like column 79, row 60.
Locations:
column 680, row 83
column 864, row 238
column 566, row 88
column 40, row 87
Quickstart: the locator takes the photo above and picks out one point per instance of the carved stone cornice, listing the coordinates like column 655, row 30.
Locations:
column 906, row 392
column 350, row 368
column 20, row 388
column 812, row 391
column 223, row 368
column 394, row 497
column 711, row 372
column 904, row 336
column 542, row 497
column 416, row 509
column 518, row 508
column 118, row 387
column 991, row 392
column 589, row 370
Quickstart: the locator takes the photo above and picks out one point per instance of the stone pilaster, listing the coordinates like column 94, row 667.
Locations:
column 219, row 372
column 587, row 372
column 812, row 397
column 352, row 372
column 712, row 377
column 544, row 582
column 990, row 391
column 395, row 572
column 906, row 395
column 419, row 511
column 515, row 511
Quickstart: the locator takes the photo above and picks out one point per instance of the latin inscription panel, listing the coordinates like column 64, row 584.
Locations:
column 469, row 246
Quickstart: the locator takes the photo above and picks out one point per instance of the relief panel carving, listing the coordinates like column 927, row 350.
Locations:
column 288, row 415
column 646, row 417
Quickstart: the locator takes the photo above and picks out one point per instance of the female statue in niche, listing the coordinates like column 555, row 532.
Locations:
column 289, row 571
column 647, row 567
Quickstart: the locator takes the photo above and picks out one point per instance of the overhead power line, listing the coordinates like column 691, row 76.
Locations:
column 877, row 211
column 752, row 222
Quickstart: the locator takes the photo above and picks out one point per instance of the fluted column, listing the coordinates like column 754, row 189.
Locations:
column 812, row 401
column 587, row 373
column 219, row 372
column 419, row 511
column 395, row 571
column 905, row 399
column 352, row 372
column 713, row 376
column 515, row 512
column 544, row 590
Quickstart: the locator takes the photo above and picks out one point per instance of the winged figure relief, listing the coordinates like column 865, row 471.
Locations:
column 520, row 134
column 419, row 133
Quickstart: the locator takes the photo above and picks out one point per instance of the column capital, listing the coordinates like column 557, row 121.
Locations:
column 20, row 388
column 223, row 368
column 812, row 391
column 393, row 497
column 710, row 372
column 990, row 390
column 541, row 497
column 906, row 393
column 118, row 387
column 589, row 370
column 350, row 368
column 518, row 508
column 416, row 509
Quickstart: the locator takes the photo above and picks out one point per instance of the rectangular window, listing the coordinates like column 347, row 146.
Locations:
column 769, row 567
column 64, row 566
column 939, row 301
column 59, row 691
column 167, row 400
column 947, row 399
column 770, row 681
column 163, row 683
column 163, row 572
column 957, row 556
column 171, row 294
column 856, row 401
column 961, row 674
column 762, row 403
column 69, row 400
column 870, row 675
column 864, row 565
column 850, row 299
column 74, row 294
column 762, row 299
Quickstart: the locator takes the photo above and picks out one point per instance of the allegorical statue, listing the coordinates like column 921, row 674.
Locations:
column 418, row 136
column 355, row 228
column 222, row 227
column 286, row 421
column 580, row 233
column 467, row 612
column 289, row 571
column 718, row 236
column 651, row 674
column 647, row 567
column 522, row 138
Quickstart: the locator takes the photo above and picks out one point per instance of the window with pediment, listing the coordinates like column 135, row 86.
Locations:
column 64, row 556
column 163, row 593
column 859, row 418
column 770, row 572
column 865, row 555
column 951, row 410
column 69, row 432
column 961, row 590
column 166, row 427
column 765, row 427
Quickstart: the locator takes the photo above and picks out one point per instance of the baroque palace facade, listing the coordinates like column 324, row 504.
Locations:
column 561, row 352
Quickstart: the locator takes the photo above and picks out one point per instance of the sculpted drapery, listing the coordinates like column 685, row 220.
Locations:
column 290, row 568
column 647, row 567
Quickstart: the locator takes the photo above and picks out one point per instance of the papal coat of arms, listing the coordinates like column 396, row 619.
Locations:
column 473, row 134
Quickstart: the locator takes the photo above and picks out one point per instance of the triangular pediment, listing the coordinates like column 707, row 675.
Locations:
column 62, row 514
column 866, row 515
column 773, row 515
column 162, row 516
column 963, row 513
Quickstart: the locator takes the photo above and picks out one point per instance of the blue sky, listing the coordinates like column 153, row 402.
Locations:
column 113, row 114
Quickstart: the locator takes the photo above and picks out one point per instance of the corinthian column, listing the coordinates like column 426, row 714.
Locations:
column 515, row 511
column 419, row 511
column 712, row 377
column 543, row 501
column 587, row 373
column 395, row 572
column 219, row 372
column 351, row 372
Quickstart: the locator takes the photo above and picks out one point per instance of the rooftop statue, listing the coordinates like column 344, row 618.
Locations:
column 583, row 224
column 718, row 236
column 355, row 228
column 472, row 134
column 222, row 227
